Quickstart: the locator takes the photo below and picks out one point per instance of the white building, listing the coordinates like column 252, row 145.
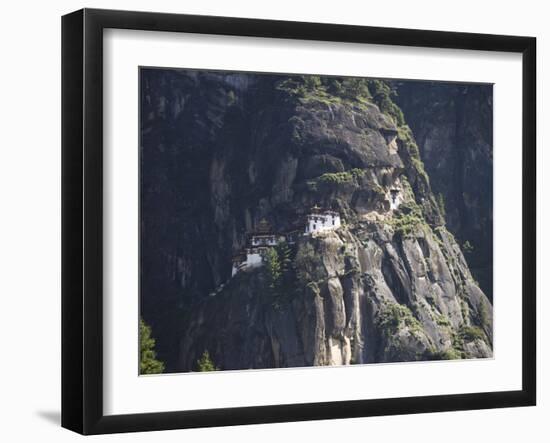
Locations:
column 395, row 198
column 322, row 221
column 259, row 243
column 264, row 240
column 252, row 259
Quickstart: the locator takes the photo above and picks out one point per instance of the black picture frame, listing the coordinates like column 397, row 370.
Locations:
column 82, row 218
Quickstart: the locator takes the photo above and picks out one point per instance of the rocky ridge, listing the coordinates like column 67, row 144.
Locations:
column 389, row 285
column 453, row 125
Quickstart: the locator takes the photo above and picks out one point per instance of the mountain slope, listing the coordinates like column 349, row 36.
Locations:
column 221, row 153
column 453, row 124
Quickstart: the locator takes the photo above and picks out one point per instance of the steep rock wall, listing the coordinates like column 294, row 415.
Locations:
column 453, row 125
column 387, row 286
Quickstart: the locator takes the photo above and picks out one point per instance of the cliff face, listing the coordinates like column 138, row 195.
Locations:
column 222, row 152
column 453, row 125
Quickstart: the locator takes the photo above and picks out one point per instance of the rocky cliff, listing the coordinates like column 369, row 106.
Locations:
column 220, row 153
column 453, row 125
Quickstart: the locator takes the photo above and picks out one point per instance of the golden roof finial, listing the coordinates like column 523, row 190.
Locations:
column 263, row 226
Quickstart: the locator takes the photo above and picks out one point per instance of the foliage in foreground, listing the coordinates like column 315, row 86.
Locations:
column 205, row 363
column 148, row 363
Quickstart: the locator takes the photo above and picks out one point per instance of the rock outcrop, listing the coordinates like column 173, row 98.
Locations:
column 220, row 153
column 453, row 125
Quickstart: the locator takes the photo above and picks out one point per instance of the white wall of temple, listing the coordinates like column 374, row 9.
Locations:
column 395, row 201
column 253, row 259
column 322, row 222
column 264, row 240
column 315, row 223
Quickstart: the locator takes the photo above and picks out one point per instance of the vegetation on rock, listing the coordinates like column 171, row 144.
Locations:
column 395, row 316
column 383, row 95
column 441, row 204
column 390, row 284
column 148, row 363
column 470, row 333
column 407, row 220
column 281, row 282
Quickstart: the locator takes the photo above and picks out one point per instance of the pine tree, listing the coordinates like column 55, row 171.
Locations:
column 281, row 276
column 148, row 364
column 205, row 363
column 284, row 254
column 274, row 271
column 356, row 88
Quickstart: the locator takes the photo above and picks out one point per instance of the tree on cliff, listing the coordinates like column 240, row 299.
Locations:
column 205, row 363
column 273, row 268
column 148, row 364
column 280, row 276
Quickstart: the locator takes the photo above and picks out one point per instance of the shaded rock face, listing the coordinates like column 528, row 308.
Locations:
column 220, row 153
column 453, row 125
column 383, row 300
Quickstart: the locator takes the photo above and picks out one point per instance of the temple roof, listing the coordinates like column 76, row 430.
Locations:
column 263, row 227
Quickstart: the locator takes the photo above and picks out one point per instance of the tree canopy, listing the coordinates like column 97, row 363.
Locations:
column 148, row 363
column 205, row 363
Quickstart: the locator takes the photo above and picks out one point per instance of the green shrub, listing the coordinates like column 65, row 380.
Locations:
column 442, row 320
column 471, row 333
column 448, row 354
column 281, row 275
column 306, row 88
column 148, row 363
column 483, row 315
column 383, row 94
column 408, row 219
column 312, row 82
column 404, row 134
column 331, row 181
column 395, row 316
column 205, row 363
column 338, row 178
column 356, row 88
column 441, row 204
column 273, row 268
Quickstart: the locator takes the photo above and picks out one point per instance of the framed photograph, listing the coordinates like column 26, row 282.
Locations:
column 270, row 221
